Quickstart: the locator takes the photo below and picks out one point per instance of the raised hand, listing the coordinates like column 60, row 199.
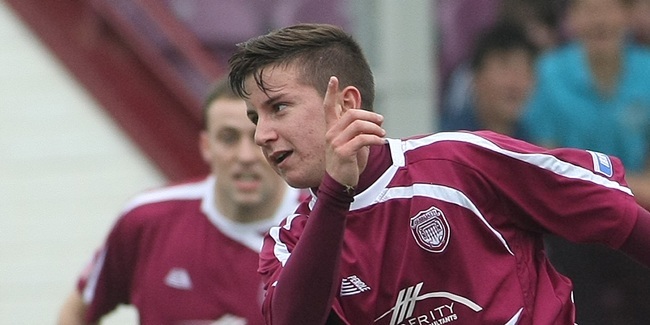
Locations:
column 349, row 133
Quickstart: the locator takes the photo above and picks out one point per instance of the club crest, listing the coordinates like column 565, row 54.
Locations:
column 430, row 230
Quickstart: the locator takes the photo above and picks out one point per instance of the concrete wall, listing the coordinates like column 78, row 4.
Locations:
column 65, row 172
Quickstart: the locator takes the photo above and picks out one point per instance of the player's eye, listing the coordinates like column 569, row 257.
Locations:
column 228, row 136
column 280, row 107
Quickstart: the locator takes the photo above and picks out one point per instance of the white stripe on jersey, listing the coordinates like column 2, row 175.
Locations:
column 370, row 195
column 93, row 277
column 442, row 193
column 189, row 191
column 515, row 318
column 378, row 191
column 545, row 161
column 439, row 192
column 280, row 249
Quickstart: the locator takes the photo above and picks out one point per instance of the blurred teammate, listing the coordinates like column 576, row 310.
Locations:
column 433, row 229
column 188, row 253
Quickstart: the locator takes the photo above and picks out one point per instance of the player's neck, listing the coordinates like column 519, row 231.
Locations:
column 377, row 160
column 606, row 69
column 500, row 126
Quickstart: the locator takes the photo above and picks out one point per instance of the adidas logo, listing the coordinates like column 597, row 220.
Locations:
column 178, row 278
column 352, row 285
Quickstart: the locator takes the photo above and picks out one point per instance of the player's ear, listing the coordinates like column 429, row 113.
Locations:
column 204, row 146
column 350, row 98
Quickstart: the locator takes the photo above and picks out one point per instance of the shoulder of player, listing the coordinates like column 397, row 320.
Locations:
column 295, row 222
column 160, row 201
column 456, row 145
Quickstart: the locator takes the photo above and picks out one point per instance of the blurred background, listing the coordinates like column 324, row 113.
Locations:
column 100, row 100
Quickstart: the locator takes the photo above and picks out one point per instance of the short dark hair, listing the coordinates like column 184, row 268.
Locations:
column 319, row 50
column 627, row 3
column 506, row 35
column 220, row 89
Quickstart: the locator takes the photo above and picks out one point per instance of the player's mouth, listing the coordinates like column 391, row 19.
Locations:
column 247, row 181
column 278, row 157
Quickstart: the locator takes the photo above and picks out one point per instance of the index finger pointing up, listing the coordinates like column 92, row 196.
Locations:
column 330, row 105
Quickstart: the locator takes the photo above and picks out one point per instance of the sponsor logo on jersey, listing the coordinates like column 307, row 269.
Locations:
column 430, row 230
column 178, row 278
column 352, row 285
column 403, row 313
column 602, row 163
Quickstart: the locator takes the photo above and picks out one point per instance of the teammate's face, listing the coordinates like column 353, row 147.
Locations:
column 290, row 125
column 244, row 179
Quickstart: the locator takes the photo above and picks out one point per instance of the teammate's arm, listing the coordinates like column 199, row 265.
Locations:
column 73, row 311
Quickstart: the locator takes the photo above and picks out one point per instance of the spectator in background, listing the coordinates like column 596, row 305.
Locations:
column 463, row 21
column 537, row 20
column 188, row 253
column 594, row 93
column 460, row 21
column 502, row 78
column 540, row 19
column 641, row 21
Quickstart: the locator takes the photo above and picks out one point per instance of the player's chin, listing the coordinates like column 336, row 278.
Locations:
column 296, row 179
column 248, row 198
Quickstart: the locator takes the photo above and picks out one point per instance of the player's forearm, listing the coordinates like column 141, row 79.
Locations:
column 308, row 283
column 637, row 244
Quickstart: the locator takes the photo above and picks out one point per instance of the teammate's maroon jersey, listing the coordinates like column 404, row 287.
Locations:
column 451, row 232
column 179, row 261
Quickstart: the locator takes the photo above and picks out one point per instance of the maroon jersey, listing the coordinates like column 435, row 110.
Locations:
column 452, row 232
column 179, row 261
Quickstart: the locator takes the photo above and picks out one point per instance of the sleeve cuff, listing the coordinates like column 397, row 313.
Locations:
column 337, row 191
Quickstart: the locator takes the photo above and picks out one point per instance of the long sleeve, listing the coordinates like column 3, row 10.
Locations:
column 307, row 284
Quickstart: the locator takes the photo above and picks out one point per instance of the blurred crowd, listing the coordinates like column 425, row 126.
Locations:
column 572, row 73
